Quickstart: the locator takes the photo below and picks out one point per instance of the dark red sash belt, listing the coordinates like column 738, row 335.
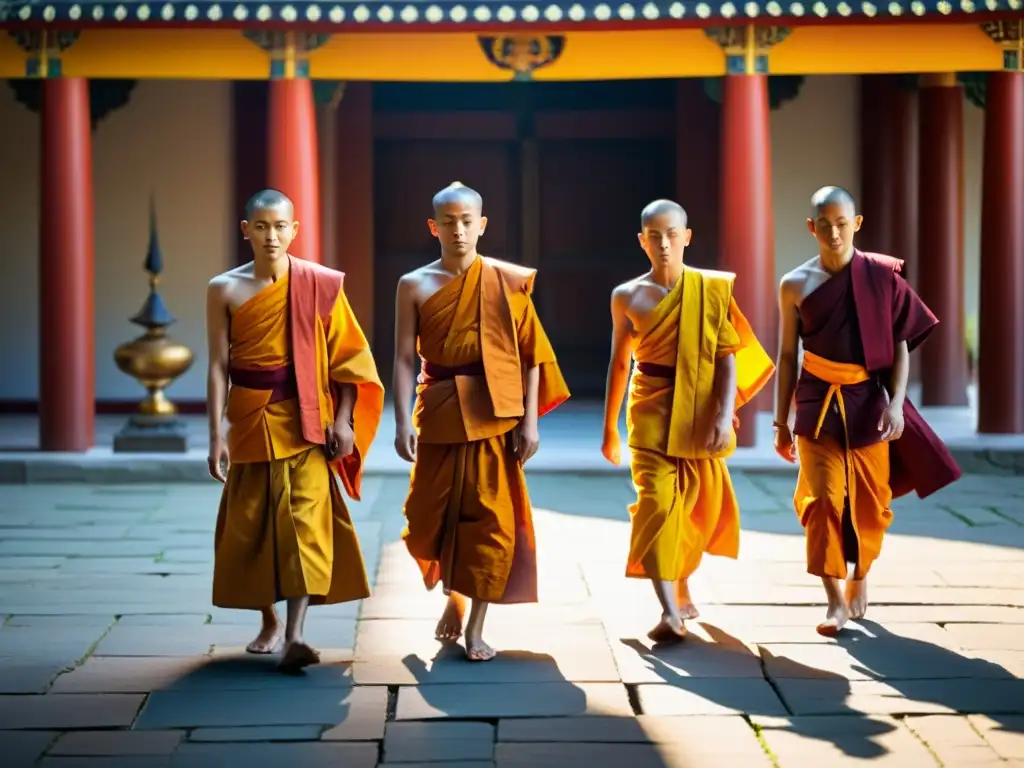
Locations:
column 656, row 370
column 280, row 381
column 434, row 372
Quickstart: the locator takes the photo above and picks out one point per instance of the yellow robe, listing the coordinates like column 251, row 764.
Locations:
column 685, row 500
column 283, row 529
column 469, row 521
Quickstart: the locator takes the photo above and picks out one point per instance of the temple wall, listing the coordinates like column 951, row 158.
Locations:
column 173, row 140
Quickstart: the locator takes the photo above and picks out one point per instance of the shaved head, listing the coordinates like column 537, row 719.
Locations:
column 457, row 192
column 829, row 196
column 268, row 198
column 662, row 208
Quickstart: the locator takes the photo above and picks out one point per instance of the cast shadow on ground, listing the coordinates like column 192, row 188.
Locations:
column 920, row 672
column 516, row 685
column 239, row 690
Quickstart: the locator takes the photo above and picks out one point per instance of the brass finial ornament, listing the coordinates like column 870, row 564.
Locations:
column 154, row 360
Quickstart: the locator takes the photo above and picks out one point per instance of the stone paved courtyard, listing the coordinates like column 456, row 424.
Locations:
column 111, row 655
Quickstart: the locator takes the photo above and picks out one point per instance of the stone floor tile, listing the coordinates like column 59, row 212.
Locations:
column 276, row 755
column 69, row 711
column 238, row 671
column 642, row 661
column 21, row 749
column 405, row 652
column 952, row 740
column 484, row 700
column 120, row 761
column 843, row 741
column 263, row 733
column 438, row 741
column 710, row 733
column 1004, row 732
column 227, row 709
column 710, row 696
column 922, row 697
column 567, row 755
column 113, row 743
column 874, row 660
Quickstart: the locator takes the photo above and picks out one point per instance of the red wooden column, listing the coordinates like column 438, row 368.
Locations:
column 888, row 174
column 292, row 160
column 354, row 208
column 876, row 164
column 745, row 237
column 941, row 240
column 67, row 384
column 1001, row 309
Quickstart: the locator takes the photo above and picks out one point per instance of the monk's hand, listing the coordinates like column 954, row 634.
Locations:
column 217, row 462
column 527, row 439
column 611, row 446
column 784, row 443
column 405, row 443
column 721, row 431
column 891, row 423
column 341, row 440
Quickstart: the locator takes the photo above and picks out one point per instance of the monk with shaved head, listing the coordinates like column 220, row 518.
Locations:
column 487, row 373
column 291, row 372
column 696, row 362
column 859, row 439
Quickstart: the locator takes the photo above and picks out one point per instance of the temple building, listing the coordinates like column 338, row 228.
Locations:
column 567, row 116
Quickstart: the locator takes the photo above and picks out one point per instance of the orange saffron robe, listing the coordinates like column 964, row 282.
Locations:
column 686, row 504
column 283, row 529
column 468, row 514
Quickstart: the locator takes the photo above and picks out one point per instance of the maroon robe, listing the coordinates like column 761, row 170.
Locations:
column 859, row 316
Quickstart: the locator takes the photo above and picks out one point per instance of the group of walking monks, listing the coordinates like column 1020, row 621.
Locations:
column 292, row 375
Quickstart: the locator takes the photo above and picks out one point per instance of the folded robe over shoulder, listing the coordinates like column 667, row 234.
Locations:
column 469, row 521
column 685, row 500
column 283, row 529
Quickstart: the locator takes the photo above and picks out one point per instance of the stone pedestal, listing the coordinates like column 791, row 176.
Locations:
column 152, row 434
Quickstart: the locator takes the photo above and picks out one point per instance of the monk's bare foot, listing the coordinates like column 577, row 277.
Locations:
column 687, row 610
column 478, row 650
column 669, row 630
column 297, row 655
column 857, row 597
column 835, row 620
column 267, row 640
column 449, row 628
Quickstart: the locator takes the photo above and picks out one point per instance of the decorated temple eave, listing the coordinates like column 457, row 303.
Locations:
column 468, row 15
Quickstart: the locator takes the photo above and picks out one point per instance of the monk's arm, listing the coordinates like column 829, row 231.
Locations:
column 900, row 375
column 725, row 385
column 789, row 346
column 532, row 394
column 218, row 346
column 618, row 366
column 346, row 404
column 405, row 349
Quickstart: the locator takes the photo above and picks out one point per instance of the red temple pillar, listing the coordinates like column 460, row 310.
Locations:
column 292, row 162
column 353, row 211
column 67, row 385
column 745, row 213
column 941, row 240
column 1001, row 306
column 876, row 163
column 888, row 174
column 327, row 149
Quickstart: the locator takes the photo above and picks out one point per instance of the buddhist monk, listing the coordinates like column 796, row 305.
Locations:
column 488, row 373
column 697, row 361
column 292, row 373
column 859, row 439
